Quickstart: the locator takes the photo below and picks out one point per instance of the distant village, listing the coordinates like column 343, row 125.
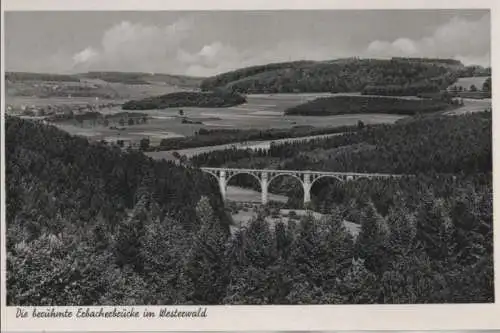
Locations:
column 84, row 115
column 56, row 109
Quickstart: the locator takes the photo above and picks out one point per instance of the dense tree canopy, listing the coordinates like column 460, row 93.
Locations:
column 211, row 137
column 419, row 235
column 181, row 99
column 337, row 105
column 426, row 144
column 406, row 76
column 88, row 224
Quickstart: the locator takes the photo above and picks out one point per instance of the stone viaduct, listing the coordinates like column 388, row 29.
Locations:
column 306, row 178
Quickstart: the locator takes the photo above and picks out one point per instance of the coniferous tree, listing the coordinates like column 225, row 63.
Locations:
column 435, row 229
column 163, row 247
column 205, row 274
column 373, row 240
column 359, row 285
column 254, row 268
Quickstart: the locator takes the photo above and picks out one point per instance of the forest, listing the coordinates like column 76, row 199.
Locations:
column 89, row 224
column 117, row 77
column 427, row 145
column 469, row 71
column 338, row 105
column 186, row 99
column 406, row 76
column 413, row 89
column 212, row 137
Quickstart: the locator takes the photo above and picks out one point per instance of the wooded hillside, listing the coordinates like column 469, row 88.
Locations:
column 343, row 75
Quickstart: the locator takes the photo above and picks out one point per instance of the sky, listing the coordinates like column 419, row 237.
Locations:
column 211, row 42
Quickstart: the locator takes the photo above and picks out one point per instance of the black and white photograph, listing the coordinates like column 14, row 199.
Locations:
column 248, row 157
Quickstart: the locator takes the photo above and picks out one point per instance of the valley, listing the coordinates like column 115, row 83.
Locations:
column 122, row 187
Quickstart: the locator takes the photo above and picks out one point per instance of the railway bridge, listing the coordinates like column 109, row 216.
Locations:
column 305, row 177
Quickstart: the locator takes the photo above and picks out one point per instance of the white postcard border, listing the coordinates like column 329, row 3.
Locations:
column 272, row 318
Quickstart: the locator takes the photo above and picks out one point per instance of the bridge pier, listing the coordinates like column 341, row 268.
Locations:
column 222, row 184
column 263, row 187
column 306, row 184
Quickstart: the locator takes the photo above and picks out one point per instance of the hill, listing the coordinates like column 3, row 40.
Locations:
column 87, row 212
column 180, row 81
column 342, row 75
column 86, row 86
column 23, row 76
column 133, row 78
column 186, row 99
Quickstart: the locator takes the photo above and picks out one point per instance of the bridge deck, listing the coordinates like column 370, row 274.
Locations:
column 307, row 172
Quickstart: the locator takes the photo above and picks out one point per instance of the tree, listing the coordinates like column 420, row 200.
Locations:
column 435, row 228
column 127, row 245
column 487, row 85
column 56, row 270
column 144, row 144
column 183, row 159
column 403, row 229
column 205, row 274
column 131, row 121
column 121, row 122
column 181, row 112
column 255, row 274
column 372, row 241
column 473, row 88
column 359, row 285
column 163, row 247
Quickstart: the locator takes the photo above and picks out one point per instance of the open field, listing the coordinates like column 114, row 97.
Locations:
column 239, row 194
column 48, row 93
column 242, row 218
column 266, row 144
column 261, row 111
column 472, row 105
column 466, row 82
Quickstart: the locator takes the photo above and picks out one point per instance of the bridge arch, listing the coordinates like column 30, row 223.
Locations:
column 330, row 187
column 297, row 188
column 283, row 175
column 245, row 173
column 211, row 173
column 363, row 177
column 326, row 176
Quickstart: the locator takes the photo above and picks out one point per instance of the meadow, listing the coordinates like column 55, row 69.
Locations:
column 466, row 82
column 261, row 111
